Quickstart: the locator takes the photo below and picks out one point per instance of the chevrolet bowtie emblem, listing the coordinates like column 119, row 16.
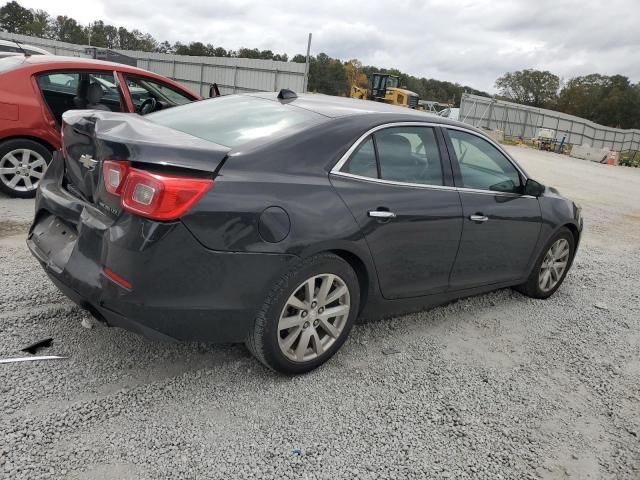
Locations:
column 88, row 162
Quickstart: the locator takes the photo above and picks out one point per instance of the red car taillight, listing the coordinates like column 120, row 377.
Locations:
column 151, row 195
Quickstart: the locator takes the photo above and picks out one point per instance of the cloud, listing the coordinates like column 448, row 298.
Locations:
column 467, row 41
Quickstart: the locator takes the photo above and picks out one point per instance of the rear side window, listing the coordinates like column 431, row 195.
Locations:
column 236, row 120
column 74, row 90
column 363, row 161
column 399, row 154
column 410, row 155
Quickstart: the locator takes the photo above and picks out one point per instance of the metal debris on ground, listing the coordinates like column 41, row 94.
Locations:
column 31, row 359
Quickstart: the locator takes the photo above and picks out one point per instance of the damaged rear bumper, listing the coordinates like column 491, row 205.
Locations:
column 179, row 289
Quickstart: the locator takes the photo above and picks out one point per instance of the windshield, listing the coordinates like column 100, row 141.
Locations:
column 236, row 119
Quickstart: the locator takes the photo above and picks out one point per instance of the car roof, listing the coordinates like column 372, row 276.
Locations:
column 63, row 62
column 38, row 63
column 338, row 107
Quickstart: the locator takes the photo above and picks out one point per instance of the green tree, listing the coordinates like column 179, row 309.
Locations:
column 220, row 52
column 244, row 52
column 165, row 47
column 327, row 75
column 608, row 100
column 14, row 18
column 40, row 25
column 530, row 87
column 66, row 29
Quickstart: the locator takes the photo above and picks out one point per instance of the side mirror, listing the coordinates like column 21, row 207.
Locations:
column 214, row 91
column 533, row 188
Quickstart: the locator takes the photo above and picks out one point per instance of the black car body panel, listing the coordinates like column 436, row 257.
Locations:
column 175, row 280
column 275, row 201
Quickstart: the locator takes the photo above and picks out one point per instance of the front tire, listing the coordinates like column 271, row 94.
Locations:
column 552, row 266
column 23, row 163
column 307, row 316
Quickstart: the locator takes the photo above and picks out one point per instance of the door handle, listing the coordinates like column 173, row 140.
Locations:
column 381, row 214
column 479, row 218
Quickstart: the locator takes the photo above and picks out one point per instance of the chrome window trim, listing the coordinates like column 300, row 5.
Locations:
column 392, row 182
column 427, row 186
column 338, row 166
column 345, row 157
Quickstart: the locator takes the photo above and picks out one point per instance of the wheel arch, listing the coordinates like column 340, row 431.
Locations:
column 39, row 140
column 574, row 231
column 361, row 271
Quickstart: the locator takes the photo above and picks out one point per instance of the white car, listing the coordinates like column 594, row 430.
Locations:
column 9, row 48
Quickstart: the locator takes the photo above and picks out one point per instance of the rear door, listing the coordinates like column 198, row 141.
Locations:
column 400, row 192
column 501, row 225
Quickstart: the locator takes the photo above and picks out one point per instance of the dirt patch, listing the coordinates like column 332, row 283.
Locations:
column 9, row 228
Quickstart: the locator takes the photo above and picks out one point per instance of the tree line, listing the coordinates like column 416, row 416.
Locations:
column 326, row 75
column 607, row 100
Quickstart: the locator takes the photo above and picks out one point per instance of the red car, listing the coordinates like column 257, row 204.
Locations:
column 36, row 90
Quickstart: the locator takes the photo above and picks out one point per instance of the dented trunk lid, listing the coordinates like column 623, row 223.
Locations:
column 91, row 137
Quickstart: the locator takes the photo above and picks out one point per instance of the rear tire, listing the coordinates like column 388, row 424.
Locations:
column 23, row 163
column 296, row 330
column 547, row 274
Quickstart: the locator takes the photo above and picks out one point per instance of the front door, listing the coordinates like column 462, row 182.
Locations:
column 394, row 184
column 501, row 225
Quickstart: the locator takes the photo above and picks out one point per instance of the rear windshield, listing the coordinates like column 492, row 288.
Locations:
column 236, row 119
column 9, row 63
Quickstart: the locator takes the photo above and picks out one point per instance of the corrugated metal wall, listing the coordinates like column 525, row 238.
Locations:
column 233, row 75
column 521, row 121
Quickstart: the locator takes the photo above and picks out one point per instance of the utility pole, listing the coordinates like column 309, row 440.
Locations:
column 305, row 85
column 89, row 32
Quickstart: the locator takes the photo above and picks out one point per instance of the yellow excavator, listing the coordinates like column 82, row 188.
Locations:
column 386, row 88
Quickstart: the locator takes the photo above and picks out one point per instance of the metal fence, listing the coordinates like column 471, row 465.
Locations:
column 233, row 75
column 521, row 121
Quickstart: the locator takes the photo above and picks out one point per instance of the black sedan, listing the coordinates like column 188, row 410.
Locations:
column 278, row 220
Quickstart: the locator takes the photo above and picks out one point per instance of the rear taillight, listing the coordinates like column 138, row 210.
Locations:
column 151, row 195
column 114, row 175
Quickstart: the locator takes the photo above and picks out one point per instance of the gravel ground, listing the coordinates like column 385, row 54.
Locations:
column 496, row 386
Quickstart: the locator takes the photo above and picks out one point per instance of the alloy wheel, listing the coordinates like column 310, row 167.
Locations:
column 22, row 169
column 554, row 264
column 314, row 317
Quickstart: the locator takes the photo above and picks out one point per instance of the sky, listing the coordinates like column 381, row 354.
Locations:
column 471, row 42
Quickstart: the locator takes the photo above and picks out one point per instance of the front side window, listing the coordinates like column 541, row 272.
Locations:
column 399, row 154
column 141, row 89
column 483, row 166
column 73, row 90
